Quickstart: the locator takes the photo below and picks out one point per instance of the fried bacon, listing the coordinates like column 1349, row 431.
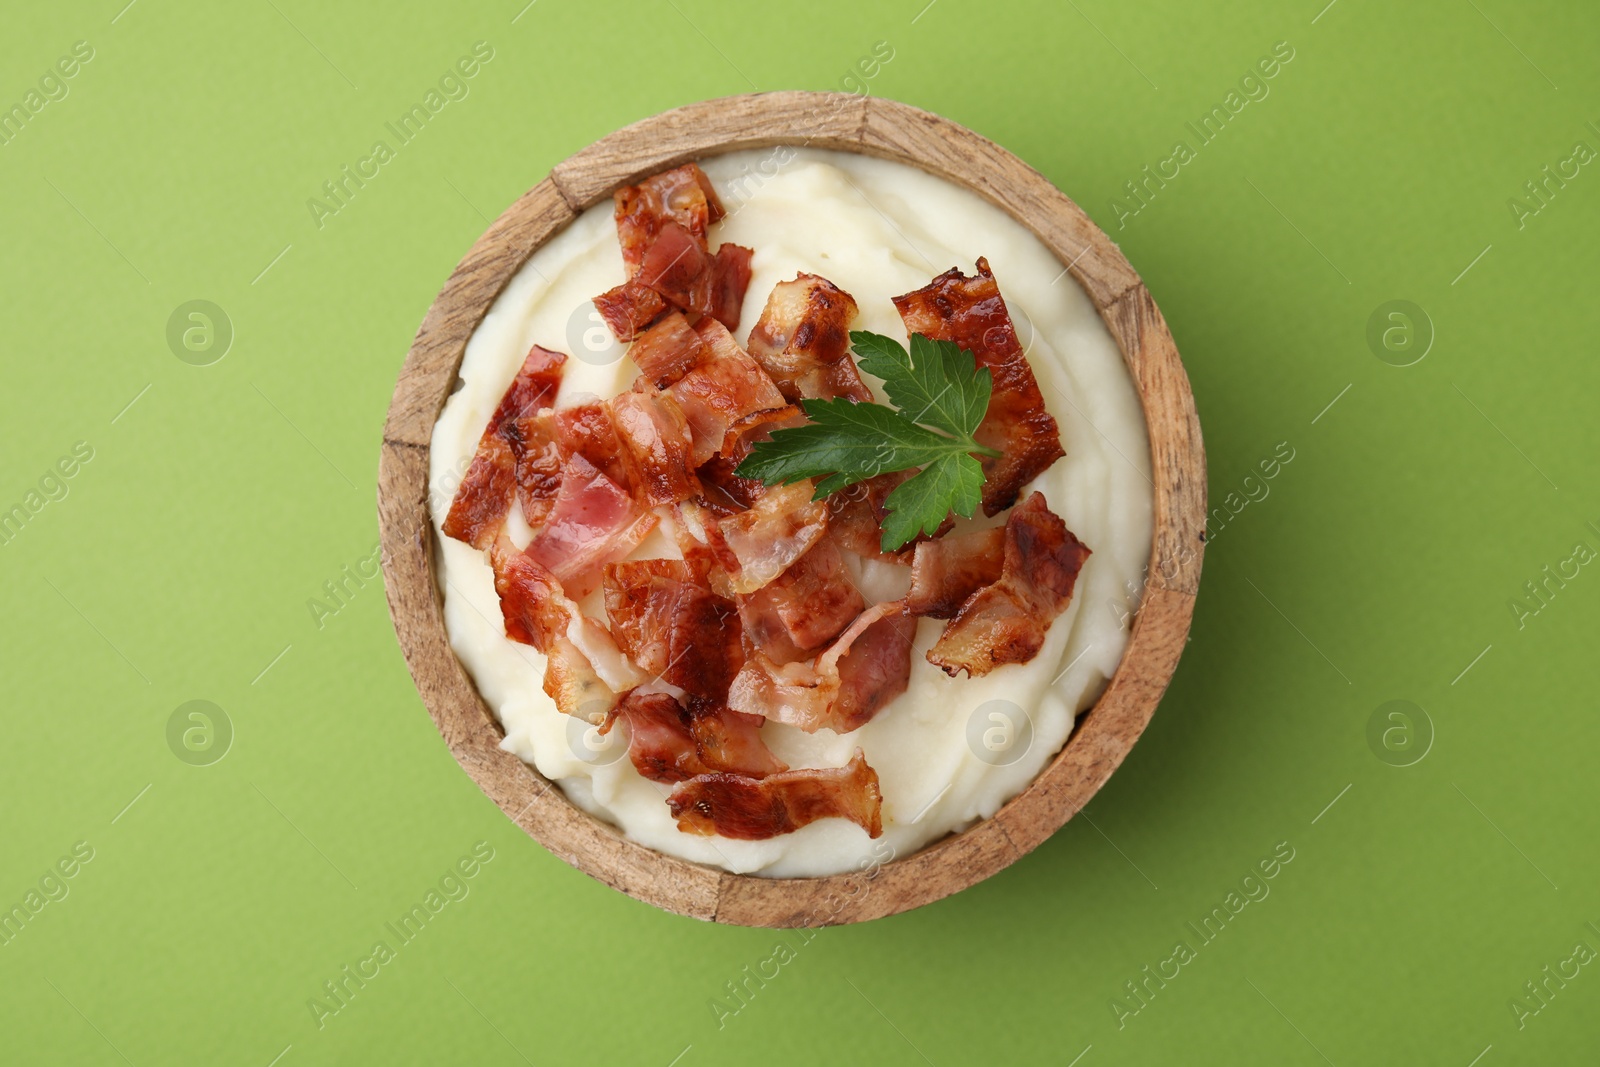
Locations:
column 656, row 447
column 723, row 491
column 759, row 544
column 666, row 618
column 679, row 266
column 729, row 740
column 537, row 612
column 659, row 742
column 479, row 509
column 972, row 313
column 805, row 607
column 1005, row 622
column 538, row 455
column 720, row 390
column 511, row 445
column 730, row 280
column 668, row 743
column 630, row 308
column 665, row 352
column 682, row 195
column 586, row 430
column 662, row 224
column 945, row 572
column 802, row 339
column 751, row 809
column 842, row 689
column 594, row 522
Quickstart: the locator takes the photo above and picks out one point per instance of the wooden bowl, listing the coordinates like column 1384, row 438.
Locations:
column 1103, row 735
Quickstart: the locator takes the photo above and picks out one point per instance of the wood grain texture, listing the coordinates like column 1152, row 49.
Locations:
column 1103, row 735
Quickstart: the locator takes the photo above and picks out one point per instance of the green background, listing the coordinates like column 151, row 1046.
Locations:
column 1381, row 565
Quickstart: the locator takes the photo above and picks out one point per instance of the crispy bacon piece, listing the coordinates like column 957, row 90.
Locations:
column 944, row 573
column 803, row 340
column 730, row 281
column 479, row 509
column 729, row 740
column 668, row 743
column 682, row 195
column 538, row 456
column 743, row 435
column 723, row 388
column 537, row 612
column 1005, row 622
column 842, row 689
column 656, row 447
column 659, row 741
column 628, row 309
column 803, row 608
column 724, row 492
column 759, row 544
column 680, row 267
column 669, row 622
column 665, row 352
column 480, row 505
column 751, row 809
column 594, row 521
column 586, row 430
column 661, row 225
column 972, row 313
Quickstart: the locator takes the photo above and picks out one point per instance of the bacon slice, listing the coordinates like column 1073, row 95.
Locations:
column 972, row 313
column 660, row 743
column 682, row 195
column 759, row 544
column 723, row 388
column 1005, row 622
column 944, row 573
column 803, row 608
column 537, row 612
column 729, row 740
column 802, row 339
column 479, row 509
column 538, row 463
column 680, row 267
column 628, row 309
column 586, row 430
column 868, row 666
column 723, row 491
column 750, row 809
column 656, row 446
column 594, row 521
column 669, row 622
column 665, row 352
column 673, row 210
column 668, row 743
column 730, row 281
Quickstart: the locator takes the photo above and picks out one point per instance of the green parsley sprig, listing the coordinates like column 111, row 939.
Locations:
column 940, row 396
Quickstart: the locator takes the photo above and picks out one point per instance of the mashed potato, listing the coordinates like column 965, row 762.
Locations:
column 948, row 751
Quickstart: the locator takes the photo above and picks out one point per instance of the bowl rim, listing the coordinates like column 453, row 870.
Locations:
column 1102, row 736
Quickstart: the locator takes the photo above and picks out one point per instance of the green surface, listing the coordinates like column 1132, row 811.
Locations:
column 1380, row 564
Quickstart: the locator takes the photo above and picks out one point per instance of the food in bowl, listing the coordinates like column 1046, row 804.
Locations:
column 781, row 604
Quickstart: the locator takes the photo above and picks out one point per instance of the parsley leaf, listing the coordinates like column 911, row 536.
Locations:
column 940, row 397
column 938, row 383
